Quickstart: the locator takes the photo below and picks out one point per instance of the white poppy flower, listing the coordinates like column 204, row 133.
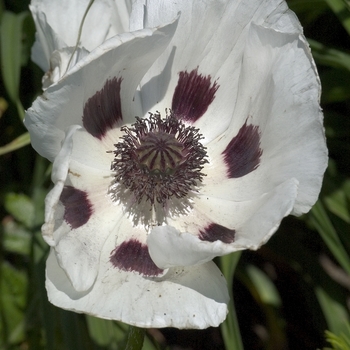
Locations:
column 57, row 29
column 171, row 145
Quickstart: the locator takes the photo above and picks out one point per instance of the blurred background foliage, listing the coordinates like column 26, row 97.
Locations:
column 291, row 294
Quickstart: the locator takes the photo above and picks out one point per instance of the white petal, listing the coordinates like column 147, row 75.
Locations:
column 218, row 32
column 82, row 213
column 191, row 297
column 279, row 92
column 60, row 62
column 78, row 249
column 120, row 16
column 63, row 19
column 265, row 73
column 254, row 221
column 58, row 176
column 126, row 56
column 46, row 40
column 92, row 152
column 78, row 246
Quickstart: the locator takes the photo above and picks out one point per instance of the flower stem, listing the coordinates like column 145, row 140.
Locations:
column 230, row 328
column 135, row 338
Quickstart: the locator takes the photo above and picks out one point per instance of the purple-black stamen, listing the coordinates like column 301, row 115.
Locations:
column 159, row 158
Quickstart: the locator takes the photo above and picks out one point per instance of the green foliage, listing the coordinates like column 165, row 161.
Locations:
column 288, row 294
column 13, row 302
column 107, row 333
column 16, row 37
column 21, row 208
column 339, row 342
column 17, row 143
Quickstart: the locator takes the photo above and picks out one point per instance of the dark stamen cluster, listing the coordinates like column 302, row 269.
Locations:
column 159, row 158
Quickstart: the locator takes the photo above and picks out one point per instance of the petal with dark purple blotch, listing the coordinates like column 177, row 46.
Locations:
column 77, row 207
column 193, row 95
column 103, row 110
column 132, row 255
column 242, row 154
column 215, row 232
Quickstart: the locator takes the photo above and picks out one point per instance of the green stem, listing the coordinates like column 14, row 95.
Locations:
column 20, row 110
column 19, row 142
column 135, row 338
column 230, row 328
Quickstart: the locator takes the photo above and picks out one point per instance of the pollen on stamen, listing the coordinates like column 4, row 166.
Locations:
column 159, row 159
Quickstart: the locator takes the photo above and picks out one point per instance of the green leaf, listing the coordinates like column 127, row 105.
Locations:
column 267, row 297
column 321, row 221
column 341, row 9
column 136, row 338
column 334, row 312
column 12, row 303
column 341, row 341
column 11, row 51
column 265, row 288
column 151, row 344
column 28, row 36
column 1, row 8
column 75, row 333
column 329, row 56
column 230, row 328
column 16, row 144
column 16, row 238
column 338, row 202
column 301, row 252
column 107, row 333
column 21, row 208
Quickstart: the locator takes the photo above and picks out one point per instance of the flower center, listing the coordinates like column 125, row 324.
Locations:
column 160, row 152
column 158, row 159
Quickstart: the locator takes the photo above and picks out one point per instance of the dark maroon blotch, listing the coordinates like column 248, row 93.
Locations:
column 134, row 256
column 103, row 110
column 242, row 154
column 215, row 232
column 77, row 207
column 193, row 95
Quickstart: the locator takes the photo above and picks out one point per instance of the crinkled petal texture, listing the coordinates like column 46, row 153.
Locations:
column 262, row 123
column 187, row 297
column 239, row 71
column 110, row 73
column 57, row 25
column 99, row 263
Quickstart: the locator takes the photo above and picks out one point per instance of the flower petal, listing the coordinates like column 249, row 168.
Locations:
column 82, row 213
column 62, row 104
column 132, row 255
column 74, row 237
column 254, row 94
column 217, row 227
column 60, row 62
column 215, row 51
column 79, row 213
column 278, row 95
column 46, row 40
column 92, row 152
column 57, row 24
column 190, row 297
